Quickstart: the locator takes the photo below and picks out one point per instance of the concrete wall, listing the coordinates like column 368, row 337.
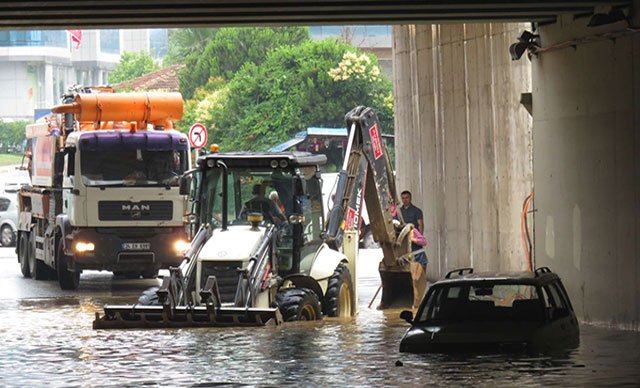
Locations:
column 463, row 141
column 587, row 168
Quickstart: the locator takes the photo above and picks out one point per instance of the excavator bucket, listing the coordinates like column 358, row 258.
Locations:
column 175, row 310
column 149, row 317
column 397, row 289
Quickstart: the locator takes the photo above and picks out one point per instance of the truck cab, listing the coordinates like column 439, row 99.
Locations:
column 104, row 193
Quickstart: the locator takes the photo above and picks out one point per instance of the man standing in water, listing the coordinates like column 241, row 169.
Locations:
column 413, row 215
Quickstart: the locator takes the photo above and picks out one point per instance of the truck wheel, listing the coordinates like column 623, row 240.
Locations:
column 298, row 304
column 149, row 297
column 23, row 253
column 7, row 236
column 338, row 300
column 37, row 268
column 68, row 280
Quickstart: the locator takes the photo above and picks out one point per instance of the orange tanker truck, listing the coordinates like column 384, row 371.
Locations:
column 104, row 193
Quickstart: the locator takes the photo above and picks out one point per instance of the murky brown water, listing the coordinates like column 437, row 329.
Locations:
column 50, row 341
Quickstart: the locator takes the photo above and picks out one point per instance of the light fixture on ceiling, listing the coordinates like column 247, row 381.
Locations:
column 526, row 41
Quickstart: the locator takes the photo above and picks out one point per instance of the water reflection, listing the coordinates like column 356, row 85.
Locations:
column 51, row 340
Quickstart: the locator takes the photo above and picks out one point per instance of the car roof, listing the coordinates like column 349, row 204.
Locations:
column 541, row 275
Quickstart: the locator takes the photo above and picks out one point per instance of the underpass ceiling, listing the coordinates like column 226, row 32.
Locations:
column 60, row 14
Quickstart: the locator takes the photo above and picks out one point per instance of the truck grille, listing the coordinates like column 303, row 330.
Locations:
column 226, row 273
column 135, row 211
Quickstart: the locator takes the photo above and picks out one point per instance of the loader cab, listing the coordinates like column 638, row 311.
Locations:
column 284, row 188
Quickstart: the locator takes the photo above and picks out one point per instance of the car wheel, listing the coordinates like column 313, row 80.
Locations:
column 68, row 280
column 298, row 304
column 23, row 253
column 339, row 298
column 7, row 236
column 37, row 268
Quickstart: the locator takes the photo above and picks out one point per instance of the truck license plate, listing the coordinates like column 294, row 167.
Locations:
column 134, row 246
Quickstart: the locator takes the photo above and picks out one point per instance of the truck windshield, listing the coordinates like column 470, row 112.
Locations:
column 132, row 168
column 265, row 191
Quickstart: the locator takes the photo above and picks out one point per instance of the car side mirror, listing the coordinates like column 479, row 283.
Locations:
column 185, row 185
column 407, row 316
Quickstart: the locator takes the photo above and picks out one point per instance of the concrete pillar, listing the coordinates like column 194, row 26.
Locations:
column 463, row 142
column 586, row 104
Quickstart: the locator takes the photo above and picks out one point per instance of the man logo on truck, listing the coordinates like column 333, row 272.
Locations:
column 136, row 210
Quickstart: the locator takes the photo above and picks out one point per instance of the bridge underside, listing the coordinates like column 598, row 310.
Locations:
column 459, row 116
column 60, row 14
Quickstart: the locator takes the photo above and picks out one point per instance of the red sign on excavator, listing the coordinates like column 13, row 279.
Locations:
column 198, row 136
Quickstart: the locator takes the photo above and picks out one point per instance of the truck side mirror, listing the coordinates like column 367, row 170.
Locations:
column 185, row 185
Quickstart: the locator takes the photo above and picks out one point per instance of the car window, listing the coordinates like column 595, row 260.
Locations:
column 482, row 303
column 563, row 293
column 557, row 306
column 4, row 204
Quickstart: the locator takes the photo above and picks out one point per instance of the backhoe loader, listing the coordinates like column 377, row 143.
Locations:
column 253, row 263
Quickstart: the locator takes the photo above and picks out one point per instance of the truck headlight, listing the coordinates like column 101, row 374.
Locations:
column 82, row 247
column 181, row 246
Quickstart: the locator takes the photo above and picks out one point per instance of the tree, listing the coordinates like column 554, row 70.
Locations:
column 230, row 49
column 184, row 42
column 12, row 136
column 132, row 65
column 312, row 84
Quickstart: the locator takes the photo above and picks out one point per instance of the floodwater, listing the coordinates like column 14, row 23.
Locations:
column 50, row 341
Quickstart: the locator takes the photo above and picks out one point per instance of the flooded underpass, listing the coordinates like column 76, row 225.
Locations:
column 50, row 340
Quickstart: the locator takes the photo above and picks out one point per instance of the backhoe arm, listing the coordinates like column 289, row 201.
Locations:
column 367, row 175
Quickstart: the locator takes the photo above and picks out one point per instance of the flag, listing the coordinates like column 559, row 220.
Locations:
column 76, row 37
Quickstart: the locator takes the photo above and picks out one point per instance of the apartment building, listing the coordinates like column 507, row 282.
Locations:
column 37, row 66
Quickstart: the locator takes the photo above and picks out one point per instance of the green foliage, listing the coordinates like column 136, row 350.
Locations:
column 294, row 88
column 230, row 49
column 12, row 136
column 206, row 106
column 184, row 42
column 132, row 65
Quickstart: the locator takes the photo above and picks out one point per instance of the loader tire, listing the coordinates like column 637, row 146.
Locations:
column 23, row 253
column 37, row 268
column 298, row 304
column 149, row 297
column 68, row 280
column 339, row 298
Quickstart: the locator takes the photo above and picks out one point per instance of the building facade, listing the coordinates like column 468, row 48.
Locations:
column 36, row 67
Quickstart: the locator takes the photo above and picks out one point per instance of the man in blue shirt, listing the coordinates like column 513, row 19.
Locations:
column 413, row 215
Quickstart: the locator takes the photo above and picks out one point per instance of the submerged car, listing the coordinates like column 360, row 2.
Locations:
column 469, row 311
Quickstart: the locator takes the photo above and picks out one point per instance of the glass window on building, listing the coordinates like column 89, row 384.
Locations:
column 110, row 41
column 158, row 43
column 33, row 38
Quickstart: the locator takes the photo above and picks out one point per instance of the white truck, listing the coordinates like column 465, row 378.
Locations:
column 104, row 193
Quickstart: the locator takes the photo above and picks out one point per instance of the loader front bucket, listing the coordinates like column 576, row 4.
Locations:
column 155, row 317
column 397, row 289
